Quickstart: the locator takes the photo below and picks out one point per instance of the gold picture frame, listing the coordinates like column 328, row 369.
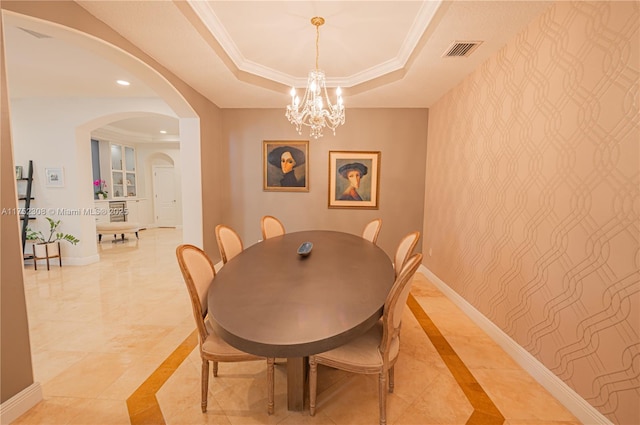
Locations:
column 354, row 179
column 285, row 165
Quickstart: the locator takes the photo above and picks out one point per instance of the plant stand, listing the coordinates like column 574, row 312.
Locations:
column 45, row 251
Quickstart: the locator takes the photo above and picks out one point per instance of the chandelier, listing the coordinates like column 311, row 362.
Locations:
column 316, row 110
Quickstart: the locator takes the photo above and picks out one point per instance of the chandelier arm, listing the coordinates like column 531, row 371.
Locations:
column 315, row 110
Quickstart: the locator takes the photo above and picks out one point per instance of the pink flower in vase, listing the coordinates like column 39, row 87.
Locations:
column 101, row 185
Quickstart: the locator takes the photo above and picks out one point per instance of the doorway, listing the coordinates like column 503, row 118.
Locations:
column 164, row 195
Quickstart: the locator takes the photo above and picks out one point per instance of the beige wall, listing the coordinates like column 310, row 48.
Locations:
column 399, row 134
column 532, row 197
column 15, row 351
column 531, row 201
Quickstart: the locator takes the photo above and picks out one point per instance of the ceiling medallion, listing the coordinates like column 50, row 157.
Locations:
column 316, row 110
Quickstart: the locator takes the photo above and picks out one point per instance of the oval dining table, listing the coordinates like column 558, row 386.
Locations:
column 273, row 302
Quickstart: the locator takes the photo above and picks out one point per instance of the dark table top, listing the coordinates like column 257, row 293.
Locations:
column 272, row 302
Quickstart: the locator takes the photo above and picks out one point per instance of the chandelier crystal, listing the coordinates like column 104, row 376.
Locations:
column 316, row 110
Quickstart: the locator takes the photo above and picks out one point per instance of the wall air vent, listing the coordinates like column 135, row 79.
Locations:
column 461, row 49
column 35, row 33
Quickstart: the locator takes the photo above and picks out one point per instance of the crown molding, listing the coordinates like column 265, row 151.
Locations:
column 216, row 27
column 113, row 134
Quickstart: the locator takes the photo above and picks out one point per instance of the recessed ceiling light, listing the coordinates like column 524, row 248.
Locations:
column 123, row 82
column 163, row 131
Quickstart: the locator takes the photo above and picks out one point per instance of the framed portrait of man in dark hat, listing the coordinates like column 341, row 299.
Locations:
column 286, row 165
column 354, row 179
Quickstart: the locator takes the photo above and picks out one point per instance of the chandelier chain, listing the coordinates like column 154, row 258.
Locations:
column 315, row 109
column 317, row 45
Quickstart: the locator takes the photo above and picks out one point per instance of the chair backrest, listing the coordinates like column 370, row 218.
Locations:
column 372, row 229
column 404, row 250
column 271, row 227
column 198, row 273
column 229, row 242
column 394, row 307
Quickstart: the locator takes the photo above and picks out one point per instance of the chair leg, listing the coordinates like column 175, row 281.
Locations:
column 215, row 369
column 205, row 384
column 382, row 396
column 313, row 384
column 270, row 384
column 391, row 379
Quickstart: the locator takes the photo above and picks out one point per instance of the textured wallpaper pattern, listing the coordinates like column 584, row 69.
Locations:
column 532, row 205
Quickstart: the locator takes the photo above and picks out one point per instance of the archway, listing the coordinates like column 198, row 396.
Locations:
column 175, row 105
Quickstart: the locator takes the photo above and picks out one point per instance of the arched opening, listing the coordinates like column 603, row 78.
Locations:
column 95, row 113
column 154, row 197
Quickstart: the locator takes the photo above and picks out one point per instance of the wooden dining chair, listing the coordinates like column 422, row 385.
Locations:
column 404, row 250
column 377, row 350
column 271, row 227
column 371, row 230
column 198, row 273
column 229, row 242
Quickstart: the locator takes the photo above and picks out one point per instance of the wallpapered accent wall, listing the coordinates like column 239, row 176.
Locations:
column 532, row 206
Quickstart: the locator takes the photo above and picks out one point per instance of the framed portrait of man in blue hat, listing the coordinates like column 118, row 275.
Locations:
column 286, row 165
column 354, row 179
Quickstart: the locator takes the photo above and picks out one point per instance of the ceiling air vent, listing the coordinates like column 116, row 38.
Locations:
column 461, row 49
column 35, row 33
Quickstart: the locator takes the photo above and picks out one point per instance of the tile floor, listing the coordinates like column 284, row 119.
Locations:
column 113, row 343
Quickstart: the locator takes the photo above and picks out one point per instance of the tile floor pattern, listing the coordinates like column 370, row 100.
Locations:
column 113, row 339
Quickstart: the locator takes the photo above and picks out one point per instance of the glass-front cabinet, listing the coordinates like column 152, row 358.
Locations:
column 123, row 171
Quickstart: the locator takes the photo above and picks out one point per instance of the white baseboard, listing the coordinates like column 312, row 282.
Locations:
column 578, row 406
column 17, row 405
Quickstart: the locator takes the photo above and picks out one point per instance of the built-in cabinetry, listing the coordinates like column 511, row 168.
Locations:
column 136, row 211
column 123, row 171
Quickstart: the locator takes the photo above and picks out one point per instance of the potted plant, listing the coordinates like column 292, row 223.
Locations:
column 101, row 185
column 49, row 246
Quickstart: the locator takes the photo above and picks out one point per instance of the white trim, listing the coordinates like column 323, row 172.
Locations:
column 578, row 406
column 423, row 19
column 118, row 135
column 17, row 405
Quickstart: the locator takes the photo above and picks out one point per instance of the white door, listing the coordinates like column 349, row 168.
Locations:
column 164, row 198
